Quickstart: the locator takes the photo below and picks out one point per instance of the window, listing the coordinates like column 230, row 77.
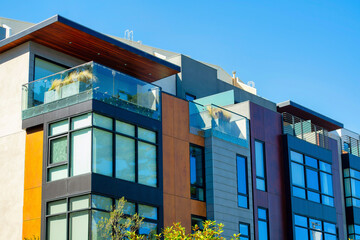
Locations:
column 242, row 183
column 244, row 231
column 352, row 187
column 197, row 220
column 311, row 179
column 354, row 232
column 44, row 68
column 92, row 142
column 263, row 224
column 260, row 165
column 197, row 178
column 77, row 216
column 312, row 229
column 189, row 97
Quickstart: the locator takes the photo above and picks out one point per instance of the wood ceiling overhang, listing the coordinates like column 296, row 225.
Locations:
column 81, row 42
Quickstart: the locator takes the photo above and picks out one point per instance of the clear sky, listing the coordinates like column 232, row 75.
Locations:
column 306, row 51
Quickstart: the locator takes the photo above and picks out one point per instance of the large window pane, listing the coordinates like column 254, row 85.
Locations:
column 125, row 158
column 241, row 175
column 355, row 188
column 197, row 172
column 58, row 150
column 147, row 164
column 297, row 174
column 79, row 225
column 326, row 183
column 259, row 159
column 96, row 218
column 263, row 230
column 56, row 227
column 80, row 152
column 312, row 179
column 102, row 152
column 147, row 212
column 59, row 127
column 81, row 121
column 301, row 233
column 45, row 68
column 100, row 202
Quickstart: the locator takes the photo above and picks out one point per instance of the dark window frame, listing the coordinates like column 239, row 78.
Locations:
column 313, row 229
column 249, row 233
column 203, row 172
column 264, row 165
column 197, row 216
column 264, row 220
column 246, row 179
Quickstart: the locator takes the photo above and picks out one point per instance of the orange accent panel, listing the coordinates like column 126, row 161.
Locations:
column 182, row 168
column 168, row 114
column 198, row 208
column 32, row 228
column 33, row 182
column 195, row 139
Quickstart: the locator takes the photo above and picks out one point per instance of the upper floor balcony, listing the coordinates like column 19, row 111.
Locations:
column 350, row 145
column 305, row 130
column 86, row 82
column 212, row 120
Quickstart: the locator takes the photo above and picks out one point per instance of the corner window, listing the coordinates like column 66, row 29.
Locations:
column 354, row 231
column 92, row 142
column 313, row 229
column 263, row 224
column 197, row 173
column 242, row 182
column 260, row 166
column 311, row 179
column 352, row 187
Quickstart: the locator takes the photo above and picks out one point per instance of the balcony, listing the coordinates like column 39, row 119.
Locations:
column 212, row 120
column 90, row 81
column 305, row 130
column 350, row 145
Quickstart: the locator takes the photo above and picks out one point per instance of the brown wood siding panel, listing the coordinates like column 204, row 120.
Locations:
column 182, row 168
column 168, row 114
column 169, row 164
column 33, row 182
column 198, row 208
column 181, row 119
column 183, row 212
column 195, row 139
column 169, row 210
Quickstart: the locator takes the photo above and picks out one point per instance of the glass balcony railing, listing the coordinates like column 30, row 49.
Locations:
column 212, row 120
column 305, row 130
column 90, row 81
column 350, row 145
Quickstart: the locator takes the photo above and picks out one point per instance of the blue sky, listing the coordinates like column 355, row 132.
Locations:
column 306, row 51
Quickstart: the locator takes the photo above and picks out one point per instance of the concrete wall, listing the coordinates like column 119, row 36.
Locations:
column 221, row 185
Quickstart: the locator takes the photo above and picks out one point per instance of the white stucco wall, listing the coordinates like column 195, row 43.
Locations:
column 14, row 71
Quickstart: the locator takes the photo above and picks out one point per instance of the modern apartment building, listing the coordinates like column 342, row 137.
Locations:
column 87, row 118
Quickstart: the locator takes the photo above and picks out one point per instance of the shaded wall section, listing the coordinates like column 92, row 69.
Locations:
column 265, row 125
column 33, row 182
column 178, row 206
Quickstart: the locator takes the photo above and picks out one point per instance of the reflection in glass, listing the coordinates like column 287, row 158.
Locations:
column 96, row 217
column 79, row 225
column 125, row 158
column 58, row 150
column 80, row 152
column 147, row 135
column 312, row 179
column 102, row 152
column 125, row 128
column 147, row 211
column 147, row 164
column 100, row 202
column 297, row 174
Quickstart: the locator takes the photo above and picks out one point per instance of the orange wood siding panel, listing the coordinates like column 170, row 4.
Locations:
column 178, row 206
column 33, row 182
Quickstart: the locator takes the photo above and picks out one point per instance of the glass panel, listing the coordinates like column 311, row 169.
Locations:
column 327, row 200
column 244, row 230
column 300, row 221
column 196, row 168
column 315, row 197
column 79, row 225
column 45, row 68
column 129, row 208
column 329, row 227
column 347, row 172
column 315, row 235
column 147, row 212
column 355, row 202
column 354, row 173
column 312, row 162
column 242, row 201
column 301, row 233
column 102, row 121
column 241, row 174
column 330, row 236
column 58, row 150
column 96, row 217
column 347, row 187
column 59, row 127
column 357, row 229
column 80, row 152
column 262, row 214
column 147, row 228
column 125, row 128
column 81, row 121
column 325, row 167
column 147, row 135
column 355, row 188
column 77, row 203
column 315, row 224
column 260, row 184
column 326, row 183
column 263, row 230
column 101, row 202
column 125, row 158
column 147, row 164
column 102, row 152
column 57, row 173
column 56, row 228
column 298, row 192
column 197, row 221
column 297, row 157
column 259, row 159
column 297, row 174
column 312, row 179
column 56, row 207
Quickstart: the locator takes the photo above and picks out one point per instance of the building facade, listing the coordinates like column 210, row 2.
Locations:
column 87, row 119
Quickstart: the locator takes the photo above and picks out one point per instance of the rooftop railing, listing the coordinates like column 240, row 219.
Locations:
column 305, row 130
column 90, row 81
column 350, row 145
column 212, row 120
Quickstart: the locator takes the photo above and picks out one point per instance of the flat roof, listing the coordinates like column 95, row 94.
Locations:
column 308, row 114
column 86, row 44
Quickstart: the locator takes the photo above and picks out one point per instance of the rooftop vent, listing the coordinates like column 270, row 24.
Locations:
column 5, row 31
